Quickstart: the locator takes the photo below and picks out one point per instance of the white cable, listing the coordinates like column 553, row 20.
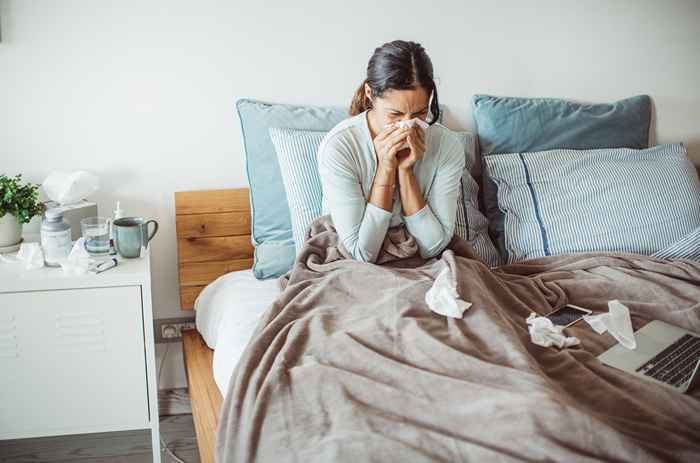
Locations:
column 164, row 446
column 162, row 362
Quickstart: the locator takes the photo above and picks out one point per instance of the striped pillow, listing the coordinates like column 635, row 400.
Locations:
column 296, row 153
column 616, row 199
column 471, row 224
column 687, row 248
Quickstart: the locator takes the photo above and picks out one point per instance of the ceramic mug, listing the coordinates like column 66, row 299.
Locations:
column 131, row 234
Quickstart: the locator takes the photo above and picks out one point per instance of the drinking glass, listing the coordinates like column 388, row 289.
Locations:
column 96, row 233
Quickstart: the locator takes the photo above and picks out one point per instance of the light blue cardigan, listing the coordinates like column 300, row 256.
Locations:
column 347, row 165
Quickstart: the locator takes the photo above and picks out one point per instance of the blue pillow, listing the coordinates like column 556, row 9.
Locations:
column 297, row 154
column 518, row 125
column 562, row 201
column 271, row 224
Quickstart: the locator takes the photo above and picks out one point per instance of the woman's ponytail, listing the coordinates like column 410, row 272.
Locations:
column 360, row 103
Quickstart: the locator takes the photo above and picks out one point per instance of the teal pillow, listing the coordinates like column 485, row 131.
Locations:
column 271, row 224
column 519, row 125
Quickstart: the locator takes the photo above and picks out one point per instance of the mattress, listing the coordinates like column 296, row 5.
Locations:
column 227, row 312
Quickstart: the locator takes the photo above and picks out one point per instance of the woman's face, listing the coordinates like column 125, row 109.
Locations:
column 398, row 105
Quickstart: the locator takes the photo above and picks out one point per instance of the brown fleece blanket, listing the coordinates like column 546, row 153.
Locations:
column 349, row 364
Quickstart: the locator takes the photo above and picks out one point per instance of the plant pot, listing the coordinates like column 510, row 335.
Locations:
column 10, row 230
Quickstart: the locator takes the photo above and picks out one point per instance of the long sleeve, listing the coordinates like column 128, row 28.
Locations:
column 433, row 226
column 361, row 225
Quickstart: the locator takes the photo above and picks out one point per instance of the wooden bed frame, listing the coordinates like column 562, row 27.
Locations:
column 213, row 238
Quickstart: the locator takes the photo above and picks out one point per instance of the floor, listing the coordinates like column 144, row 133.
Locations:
column 176, row 427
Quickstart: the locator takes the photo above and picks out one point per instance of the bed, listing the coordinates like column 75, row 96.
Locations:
column 213, row 234
column 213, row 238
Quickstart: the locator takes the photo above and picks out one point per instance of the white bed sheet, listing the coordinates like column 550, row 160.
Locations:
column 227, row 312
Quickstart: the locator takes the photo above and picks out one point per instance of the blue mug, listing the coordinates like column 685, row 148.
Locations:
column 131, row 234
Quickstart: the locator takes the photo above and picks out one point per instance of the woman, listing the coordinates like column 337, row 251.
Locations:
column 370, row 181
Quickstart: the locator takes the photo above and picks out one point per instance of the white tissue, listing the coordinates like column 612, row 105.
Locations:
column 410, row 123
column 78, row 259
column 69, row 187
column 544, row 333
column 617, row 321
column 442, row 298
column 30, row 254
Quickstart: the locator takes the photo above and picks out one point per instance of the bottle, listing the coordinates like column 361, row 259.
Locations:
column 55, row 237
column 118, row 214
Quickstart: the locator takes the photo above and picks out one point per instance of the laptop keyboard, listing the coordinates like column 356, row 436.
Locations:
column 676, row 363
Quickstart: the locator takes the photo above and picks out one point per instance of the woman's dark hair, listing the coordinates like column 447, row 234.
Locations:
column 397, row 65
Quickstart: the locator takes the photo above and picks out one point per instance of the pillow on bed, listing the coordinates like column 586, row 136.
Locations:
column 297, row 155
column 687, row 248
column 271, row 228
column 518, row 125
column 627, row 200
column 471, row 224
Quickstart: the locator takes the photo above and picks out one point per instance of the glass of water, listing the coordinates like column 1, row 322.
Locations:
column 96, row 233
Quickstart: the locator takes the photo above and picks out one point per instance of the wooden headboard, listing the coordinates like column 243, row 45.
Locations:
column 213, row 238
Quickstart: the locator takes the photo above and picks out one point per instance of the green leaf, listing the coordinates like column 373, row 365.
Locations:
column 19, row 199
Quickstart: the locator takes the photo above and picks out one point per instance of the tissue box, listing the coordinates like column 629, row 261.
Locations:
column 74, row 213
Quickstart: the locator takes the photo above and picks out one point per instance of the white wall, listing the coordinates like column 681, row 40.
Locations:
column 142, row 92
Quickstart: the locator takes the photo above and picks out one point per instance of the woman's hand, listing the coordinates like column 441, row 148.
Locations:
column 415, row 150
column 386, row 145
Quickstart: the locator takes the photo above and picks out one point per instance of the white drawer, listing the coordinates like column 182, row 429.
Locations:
column 72, row 361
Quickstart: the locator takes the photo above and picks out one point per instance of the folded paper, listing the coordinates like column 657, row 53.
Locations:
column 69, row 187
column 617, row 321
column 78, row 259
column 410, row 123
column 442, row 298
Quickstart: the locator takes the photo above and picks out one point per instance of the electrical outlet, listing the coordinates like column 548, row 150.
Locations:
column 170, row 329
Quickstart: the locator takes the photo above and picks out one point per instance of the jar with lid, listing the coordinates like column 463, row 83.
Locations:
column 55, row 237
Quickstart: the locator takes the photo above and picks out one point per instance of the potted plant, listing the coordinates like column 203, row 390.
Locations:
column 18, row 204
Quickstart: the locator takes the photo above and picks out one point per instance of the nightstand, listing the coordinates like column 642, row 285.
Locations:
column 77, row 353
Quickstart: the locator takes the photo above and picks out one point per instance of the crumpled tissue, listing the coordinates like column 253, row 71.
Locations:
column 70, row 187
column 78, row 260
column 617, row 321
column 544, row 333
column 442, row 298
column 30, row 254
column 410, row 123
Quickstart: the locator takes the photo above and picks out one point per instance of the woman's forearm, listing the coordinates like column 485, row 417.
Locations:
column 411, row 197
column 382, row 193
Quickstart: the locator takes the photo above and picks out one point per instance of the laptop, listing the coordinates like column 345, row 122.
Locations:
column 665, row 354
